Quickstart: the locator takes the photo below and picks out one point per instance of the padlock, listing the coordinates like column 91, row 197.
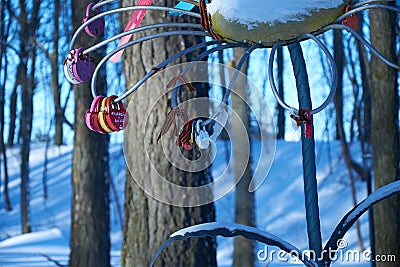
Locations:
column 116, row 115
column 92, row 115
column 201, row 136
column 96, row 28
column 82, row 68
column 102, row 117
column 352, row 20
column 185, row 136
column 68, row 68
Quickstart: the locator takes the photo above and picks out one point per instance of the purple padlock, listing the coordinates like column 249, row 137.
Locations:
column 82, row 68
column 96, row 28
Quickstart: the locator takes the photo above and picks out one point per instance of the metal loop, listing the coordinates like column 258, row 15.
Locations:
column 102, row 3
column 366, row 2
column 331, row 63
column 123, row 9
column 366, row 7
column 140, row 29
column 364, row 42
column 131, row 43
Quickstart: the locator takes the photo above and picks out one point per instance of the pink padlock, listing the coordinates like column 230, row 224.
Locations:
column 82, row 68
column 95, row 28
column 92, row 115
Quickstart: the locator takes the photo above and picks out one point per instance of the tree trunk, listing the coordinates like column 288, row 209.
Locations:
column 4, row 29
column 366, row 95
column 26, row 128
column 338, row 97
column 13, row 99
column 27, row 79
column 338, row 101
column 13, row 112
column 55, row 87
column 385, row 133
column 148, row 222
column 90, row 223
column 244, row 208
column 281, row 110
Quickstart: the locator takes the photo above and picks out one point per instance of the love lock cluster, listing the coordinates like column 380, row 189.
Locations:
column 106, row 116
column 193, row 132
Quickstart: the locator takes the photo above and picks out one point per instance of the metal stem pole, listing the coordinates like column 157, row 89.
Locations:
column 308, row 150
column 371, row 222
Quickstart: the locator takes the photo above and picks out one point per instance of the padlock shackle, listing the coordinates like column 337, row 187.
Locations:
column 96, row 104
column 77, row 52
column 110, row 102
column 88, row 9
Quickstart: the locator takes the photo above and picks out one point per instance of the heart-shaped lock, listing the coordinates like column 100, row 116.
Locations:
column 102, row 117
column 116, row 114
column 68, row 68
column 95, row 28
column 92, row 115
column 82, row 68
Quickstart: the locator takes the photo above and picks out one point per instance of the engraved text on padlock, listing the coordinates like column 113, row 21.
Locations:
column 116, row 113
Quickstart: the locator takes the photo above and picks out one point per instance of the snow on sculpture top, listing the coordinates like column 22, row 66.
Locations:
column 268, row 11
column 271, row 20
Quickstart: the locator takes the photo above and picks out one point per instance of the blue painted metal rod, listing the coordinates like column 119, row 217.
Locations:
column 308, row 150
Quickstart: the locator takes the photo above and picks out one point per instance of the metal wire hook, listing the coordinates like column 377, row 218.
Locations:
column 131, row 43
column 224, row 101
column 366, row 7
column 123, row 9
column 140, row 29
column 364, row 42
column 199, row 58
column 370, row 2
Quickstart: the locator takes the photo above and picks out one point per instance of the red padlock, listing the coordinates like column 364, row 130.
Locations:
column 351, row 20
column 92, row 115
column 115, row 115
column 96, row 28
column 185, row 136
column 308, row 131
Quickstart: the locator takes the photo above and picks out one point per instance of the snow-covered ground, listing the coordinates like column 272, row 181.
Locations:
column 280, row 204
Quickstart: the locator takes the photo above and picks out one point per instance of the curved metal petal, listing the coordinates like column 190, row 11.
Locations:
column 351, row 217
column 231, row 230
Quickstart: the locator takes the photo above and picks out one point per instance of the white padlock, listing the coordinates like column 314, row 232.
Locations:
column 202, row 137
